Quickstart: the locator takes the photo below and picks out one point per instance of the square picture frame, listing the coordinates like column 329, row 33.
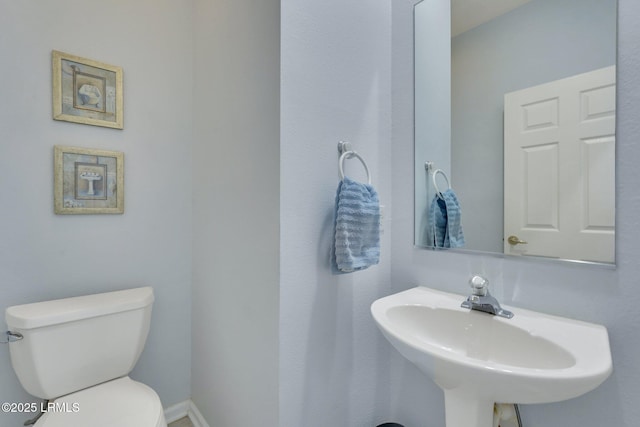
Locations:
column 88, row 181
column 87, row 91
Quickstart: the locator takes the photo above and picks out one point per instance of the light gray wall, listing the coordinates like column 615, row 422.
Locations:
column 542, row 41
column 335, row 85
column 46, row 256
column 236, row 218
column 606, row 296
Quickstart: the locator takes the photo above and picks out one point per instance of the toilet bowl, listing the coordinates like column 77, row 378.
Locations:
column 76, row 353
column 122, row 403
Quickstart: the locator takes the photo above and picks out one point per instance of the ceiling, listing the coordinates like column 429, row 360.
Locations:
column 468, row 14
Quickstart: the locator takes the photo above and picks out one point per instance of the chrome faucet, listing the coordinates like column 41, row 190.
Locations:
column 481, row 300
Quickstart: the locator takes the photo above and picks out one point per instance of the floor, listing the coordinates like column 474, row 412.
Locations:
column 182, row 422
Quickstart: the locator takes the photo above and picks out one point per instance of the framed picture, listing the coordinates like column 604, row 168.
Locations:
column 86, row 91
column 88, row 181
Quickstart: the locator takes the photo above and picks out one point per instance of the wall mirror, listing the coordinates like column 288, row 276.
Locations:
column 515, row 117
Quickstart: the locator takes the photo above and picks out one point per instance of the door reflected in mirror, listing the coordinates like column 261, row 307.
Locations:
column 517, row 109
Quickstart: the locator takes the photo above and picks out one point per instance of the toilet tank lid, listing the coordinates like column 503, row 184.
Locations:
column 48, row 313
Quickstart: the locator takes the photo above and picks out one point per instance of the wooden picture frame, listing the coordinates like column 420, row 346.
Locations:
column 86, row 91
column 88, row 181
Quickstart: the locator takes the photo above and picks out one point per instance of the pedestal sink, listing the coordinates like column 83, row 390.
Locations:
column 479, row 359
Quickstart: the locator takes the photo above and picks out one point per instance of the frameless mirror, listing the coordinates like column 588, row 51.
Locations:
column 515, row 127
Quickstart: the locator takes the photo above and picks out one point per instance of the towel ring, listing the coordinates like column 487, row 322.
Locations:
column 435, row 184
column 348, row 155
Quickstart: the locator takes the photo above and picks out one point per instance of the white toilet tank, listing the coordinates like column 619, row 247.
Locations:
column 74, row 343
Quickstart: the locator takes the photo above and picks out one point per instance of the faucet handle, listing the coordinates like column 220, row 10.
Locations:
column 479, row 285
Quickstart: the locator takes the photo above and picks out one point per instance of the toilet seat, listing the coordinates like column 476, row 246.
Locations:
column 121, row 402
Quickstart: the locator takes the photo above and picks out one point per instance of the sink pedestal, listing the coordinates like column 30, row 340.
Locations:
column 464, row 409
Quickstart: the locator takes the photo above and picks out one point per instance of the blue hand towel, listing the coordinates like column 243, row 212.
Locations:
column 445, row 221
column 357, row 226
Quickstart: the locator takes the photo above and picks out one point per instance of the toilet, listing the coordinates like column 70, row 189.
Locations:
column 77, row 354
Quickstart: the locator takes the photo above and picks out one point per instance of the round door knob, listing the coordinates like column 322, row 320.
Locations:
column 515, row 240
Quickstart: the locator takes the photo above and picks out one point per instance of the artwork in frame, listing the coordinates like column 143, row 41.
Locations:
column 86, row 91
column 88, row 181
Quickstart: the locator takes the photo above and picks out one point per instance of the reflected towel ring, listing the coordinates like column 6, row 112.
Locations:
column 435, row 184
column 348, row 155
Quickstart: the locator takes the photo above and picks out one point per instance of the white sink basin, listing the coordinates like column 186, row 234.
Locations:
column 479, row 359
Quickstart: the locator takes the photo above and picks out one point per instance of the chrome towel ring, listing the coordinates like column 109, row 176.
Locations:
column 435, row 184
column 348, row 155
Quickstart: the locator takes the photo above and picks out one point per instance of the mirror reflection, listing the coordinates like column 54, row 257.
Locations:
column 515, row 127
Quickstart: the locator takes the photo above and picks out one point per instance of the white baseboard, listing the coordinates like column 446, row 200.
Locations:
column 195, row 416
column 185, row 409
column 177, row 411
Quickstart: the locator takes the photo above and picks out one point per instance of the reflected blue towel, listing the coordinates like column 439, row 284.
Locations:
column 445, row 221
column 357, row 226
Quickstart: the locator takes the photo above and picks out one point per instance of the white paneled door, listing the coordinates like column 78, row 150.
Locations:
column 559, row 171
